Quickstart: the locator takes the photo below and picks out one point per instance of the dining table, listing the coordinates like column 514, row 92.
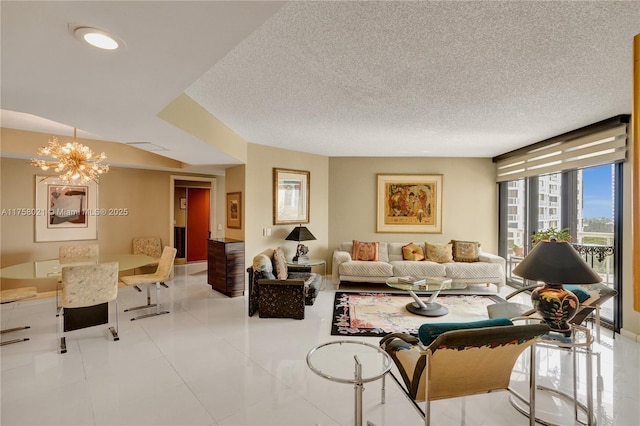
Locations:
column 76, row 318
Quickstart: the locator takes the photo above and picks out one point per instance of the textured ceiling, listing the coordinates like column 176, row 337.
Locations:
column 457, row 78
column 424, row 78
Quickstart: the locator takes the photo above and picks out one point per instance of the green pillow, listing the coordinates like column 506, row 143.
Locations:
column 427, row 333
column 580, row 292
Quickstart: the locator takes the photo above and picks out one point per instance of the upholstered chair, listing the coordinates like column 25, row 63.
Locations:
column 88, row 285
column 163, row 273
column 76, row 255
column 469, row 359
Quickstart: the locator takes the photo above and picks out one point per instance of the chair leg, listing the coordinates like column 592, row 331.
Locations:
column 157, row 304
column 11, row 330
column 148, row 305
column 61, row 338
column 114, row 331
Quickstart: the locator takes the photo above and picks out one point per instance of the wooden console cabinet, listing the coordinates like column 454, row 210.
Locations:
column 225, row 266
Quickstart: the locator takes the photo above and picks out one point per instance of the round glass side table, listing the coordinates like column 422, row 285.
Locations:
column 351, row 362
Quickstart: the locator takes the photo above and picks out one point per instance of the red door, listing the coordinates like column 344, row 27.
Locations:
column 197, row 223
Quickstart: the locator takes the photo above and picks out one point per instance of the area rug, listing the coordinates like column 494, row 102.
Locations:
column 378, row 314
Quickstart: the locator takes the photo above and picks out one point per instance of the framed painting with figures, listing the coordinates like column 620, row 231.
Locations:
column 409, row 203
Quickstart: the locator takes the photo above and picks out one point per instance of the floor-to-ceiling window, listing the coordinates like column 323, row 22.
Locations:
column 574, row 182
column 587, row 208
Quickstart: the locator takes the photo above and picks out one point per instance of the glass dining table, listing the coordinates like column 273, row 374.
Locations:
column 52, row 268
column 75, row 318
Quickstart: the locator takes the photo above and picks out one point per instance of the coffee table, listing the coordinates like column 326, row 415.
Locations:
column 434, row 285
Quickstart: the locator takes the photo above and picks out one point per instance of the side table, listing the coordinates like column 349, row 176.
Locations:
column 307, row 265
column 580, row 341
column 333, row 360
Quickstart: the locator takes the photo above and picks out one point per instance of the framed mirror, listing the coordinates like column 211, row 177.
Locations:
column 290, row 196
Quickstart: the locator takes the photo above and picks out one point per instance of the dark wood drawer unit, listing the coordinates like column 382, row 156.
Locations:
column 225, row 264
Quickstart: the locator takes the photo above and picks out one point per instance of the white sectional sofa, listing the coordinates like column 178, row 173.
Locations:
column 490, row 269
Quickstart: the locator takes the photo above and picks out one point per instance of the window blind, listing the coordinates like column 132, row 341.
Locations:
column 565, row 153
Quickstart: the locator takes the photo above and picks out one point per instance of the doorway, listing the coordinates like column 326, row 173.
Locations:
column 192, row 216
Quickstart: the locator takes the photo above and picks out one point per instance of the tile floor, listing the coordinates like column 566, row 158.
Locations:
column 207, row 363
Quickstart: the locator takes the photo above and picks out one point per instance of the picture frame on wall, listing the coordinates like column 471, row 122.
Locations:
column 65, row 211
column 234, row 210
column 290, row 196
column 409, row 203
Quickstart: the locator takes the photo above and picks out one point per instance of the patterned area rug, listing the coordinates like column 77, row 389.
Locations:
column 378, row 314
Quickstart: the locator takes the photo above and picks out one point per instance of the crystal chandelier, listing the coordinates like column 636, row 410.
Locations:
column 73, row 160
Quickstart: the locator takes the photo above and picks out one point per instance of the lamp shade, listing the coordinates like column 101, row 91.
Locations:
column 556, row 262
column 300, row 233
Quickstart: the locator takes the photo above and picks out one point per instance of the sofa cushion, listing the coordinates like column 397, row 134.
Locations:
column 473, row 270
column 366, row 251
column 441, row 253
column 263, row 262
column 280, row 263
column 412, row 252
column 466, row 251
column 429, row 332
column 366, row 269
column 402, row 268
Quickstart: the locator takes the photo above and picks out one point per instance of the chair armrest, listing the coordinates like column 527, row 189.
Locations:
column 338, row 258
column 522, row 289
column 281, row 282
column 492, row 258
column 402, row 336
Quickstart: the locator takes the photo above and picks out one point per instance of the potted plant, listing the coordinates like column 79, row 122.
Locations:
column 551, row 234
column 517, row 250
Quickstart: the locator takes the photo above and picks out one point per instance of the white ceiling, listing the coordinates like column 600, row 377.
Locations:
column 353, row 78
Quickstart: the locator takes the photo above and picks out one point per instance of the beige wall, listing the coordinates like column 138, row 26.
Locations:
column 259, row 207
column 144, row 193
column 235, row 182
column 469, row 199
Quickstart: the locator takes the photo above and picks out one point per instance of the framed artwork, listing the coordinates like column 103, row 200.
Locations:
column 65, row 211
column 409, row 203
column 234, row 210
column 290, row 196
column 183, row 203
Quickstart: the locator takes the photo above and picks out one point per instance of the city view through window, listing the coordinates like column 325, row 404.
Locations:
column 594, row 217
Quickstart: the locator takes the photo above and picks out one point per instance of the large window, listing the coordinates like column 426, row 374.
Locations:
column 585, row 201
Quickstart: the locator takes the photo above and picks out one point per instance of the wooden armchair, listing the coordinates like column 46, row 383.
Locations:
column 463, row 361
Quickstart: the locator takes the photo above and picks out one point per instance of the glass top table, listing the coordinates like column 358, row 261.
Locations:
column 52, row 268
column 351, row 362
column 434, row 285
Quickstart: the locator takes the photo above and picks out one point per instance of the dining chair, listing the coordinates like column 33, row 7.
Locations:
column 88, row 285
column 149, row 246
column 162, row 273
column 76, row 254
column 11, row 296
column 450, row 360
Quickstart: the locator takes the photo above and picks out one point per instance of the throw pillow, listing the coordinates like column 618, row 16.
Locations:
column 280, row 263
column 365, row 251
column 580, row 292
column 429, row 332
column 441, row 253
column 466, row 251
column 412, row 252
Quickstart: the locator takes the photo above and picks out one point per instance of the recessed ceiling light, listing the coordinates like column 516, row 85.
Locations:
column 95, row 37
